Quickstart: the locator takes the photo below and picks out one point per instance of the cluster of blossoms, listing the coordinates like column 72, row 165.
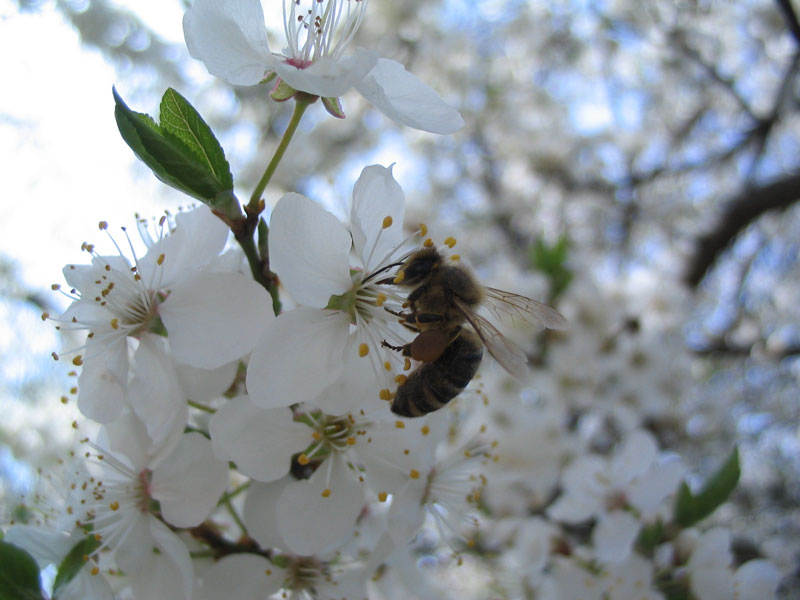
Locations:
column 243, row 454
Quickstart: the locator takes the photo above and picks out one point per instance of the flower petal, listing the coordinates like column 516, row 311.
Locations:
column 260, row 441
column 614, row 535
column 298, row 356
column 376, row 195
column 260, row 515
column 230, row 38
column 190, row 481
column 310, row 250
column 313, row 523
column 154, row 394
column 240, row 577
column 215, row 318
column 328, row 77
column 402, row 97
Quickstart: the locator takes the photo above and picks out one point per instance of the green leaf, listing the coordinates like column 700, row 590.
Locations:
column 170, row 158
column 19, row 574
column 73, row 562
column 691, row 508
column 650, row 536
column 180, row 119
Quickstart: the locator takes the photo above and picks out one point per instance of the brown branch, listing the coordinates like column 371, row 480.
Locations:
column 740, row 212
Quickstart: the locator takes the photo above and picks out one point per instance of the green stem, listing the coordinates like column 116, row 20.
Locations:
column 199, row 406
column 248, row 245
column 299, row 108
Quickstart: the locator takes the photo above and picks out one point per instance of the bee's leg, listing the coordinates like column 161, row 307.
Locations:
column 402, row 315
column 386, row 344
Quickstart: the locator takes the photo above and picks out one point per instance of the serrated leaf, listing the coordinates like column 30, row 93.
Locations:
column 73, row 562
column 691, row 508
column 179, row 118
column 167, row 156
column 19, row 574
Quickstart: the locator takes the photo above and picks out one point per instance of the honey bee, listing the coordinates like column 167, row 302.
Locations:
column 451, row 334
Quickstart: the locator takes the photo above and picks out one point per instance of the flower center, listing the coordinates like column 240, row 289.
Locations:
column 317, row 28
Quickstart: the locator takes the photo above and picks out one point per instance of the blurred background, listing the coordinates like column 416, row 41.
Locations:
column 633, row 163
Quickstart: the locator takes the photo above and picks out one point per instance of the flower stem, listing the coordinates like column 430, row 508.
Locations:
column 301, row 103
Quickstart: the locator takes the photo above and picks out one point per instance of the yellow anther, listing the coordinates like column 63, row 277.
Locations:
column 326, row 492
column 407, row 364
column 385, row 394
column 95, row 570
column 160, row 260
column 428, row 243
column 387, row 365
column 382, row 496
column 425, row 430
column 471, row 543
column 302, row 460
column 45, row 316
column 459, row 561
column 398, row 278
column 115, row 323
column 399, row 424
column 455, row 257
column 114, row 506
column 268, row 572
column 380, row 299
column 85, row 558
column 98, row 537
column 450, row 242
column 73, row 390
column 103, row 225
column 423, row 230
column 317, row 436
column 74, row 424
column 77, row 361
column 55, row 287
column 351, row 441
column 467, row 454
column 387, row 222
column 414, row 474
column 400, row 379
column 64, row 399
column 363, row 350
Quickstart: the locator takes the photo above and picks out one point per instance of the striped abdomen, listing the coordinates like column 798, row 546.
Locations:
column 434, row 384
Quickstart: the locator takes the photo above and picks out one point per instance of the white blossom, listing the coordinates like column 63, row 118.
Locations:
column 230, row 37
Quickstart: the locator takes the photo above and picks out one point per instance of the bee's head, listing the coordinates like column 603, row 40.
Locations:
column 418, row 267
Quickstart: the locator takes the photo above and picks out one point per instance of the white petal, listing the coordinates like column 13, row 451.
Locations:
column 327, row 77
column 756, row 579
column 260, row 512
column 634, row 458
column 198, row 239
column 190, row 481
column 260, row 441
column 298, row 356
column 309, row 249
column 313, row 524
column 154, row 393
column 402, row 97
column 45, row 545
column 103, row 382
column 215, row 318
column 648, row 492
column 85, row 585
column 230, row 38
column 376, row 195
column 614, row 535
column 168, row 575
column 203, row 385
column 240, row 577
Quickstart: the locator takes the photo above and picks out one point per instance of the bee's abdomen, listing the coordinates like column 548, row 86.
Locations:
column 434, row 384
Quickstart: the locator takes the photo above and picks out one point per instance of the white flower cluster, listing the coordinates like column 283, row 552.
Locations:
column 239, row 454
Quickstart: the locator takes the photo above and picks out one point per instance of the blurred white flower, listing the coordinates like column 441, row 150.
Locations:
column 230, row 37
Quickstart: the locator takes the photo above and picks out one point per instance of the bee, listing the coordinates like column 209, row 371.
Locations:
column 451, row 335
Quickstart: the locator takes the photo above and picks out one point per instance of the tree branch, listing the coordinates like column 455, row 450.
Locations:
column 740, row 212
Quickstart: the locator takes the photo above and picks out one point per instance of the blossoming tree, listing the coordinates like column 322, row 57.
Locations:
column 236, row 383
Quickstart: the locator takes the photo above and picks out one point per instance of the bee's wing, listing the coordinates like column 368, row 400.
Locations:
column 507, row 305
column 510, row 356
